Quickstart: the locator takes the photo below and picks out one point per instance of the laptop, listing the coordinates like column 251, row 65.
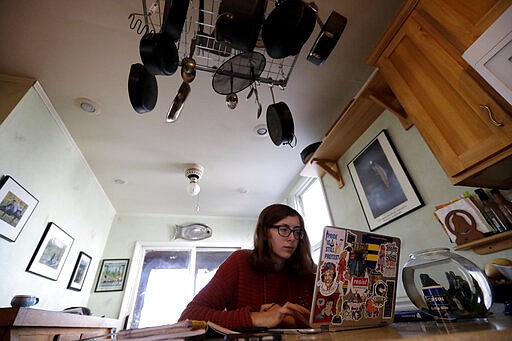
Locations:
column 356, row 280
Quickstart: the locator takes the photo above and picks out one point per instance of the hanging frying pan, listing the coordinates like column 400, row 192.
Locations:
column 142, row 89
column 239, row 23
column 238, row 72
column 175, row 13
column 159, row 53
column 327, row 38
column 287, row 28
column 280, row 123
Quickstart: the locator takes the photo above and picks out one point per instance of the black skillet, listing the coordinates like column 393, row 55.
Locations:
column 287, row 28
column 142, row 89
column 327, row 38
column 280, row 123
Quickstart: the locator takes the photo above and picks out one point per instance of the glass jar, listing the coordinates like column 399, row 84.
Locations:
column 446, row 285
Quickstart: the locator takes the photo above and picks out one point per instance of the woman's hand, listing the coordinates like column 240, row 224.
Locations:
column 289, row 315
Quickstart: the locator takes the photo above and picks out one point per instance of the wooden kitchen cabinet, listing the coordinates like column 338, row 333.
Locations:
column 27, row 324
column 420, row 58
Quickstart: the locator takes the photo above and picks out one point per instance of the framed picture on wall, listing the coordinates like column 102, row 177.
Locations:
column 80, row 271
column 16, row 207
column 112, row 275
column 384, row 188
column 51, row 252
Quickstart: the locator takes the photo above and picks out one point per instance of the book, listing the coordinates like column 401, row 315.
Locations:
column 182, row 330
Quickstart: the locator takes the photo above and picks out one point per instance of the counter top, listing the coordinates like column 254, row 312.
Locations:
column 30, row 317
column 495, row 328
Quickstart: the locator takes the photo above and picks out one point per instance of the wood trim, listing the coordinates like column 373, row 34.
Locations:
column 391, row 31
column 12, row 90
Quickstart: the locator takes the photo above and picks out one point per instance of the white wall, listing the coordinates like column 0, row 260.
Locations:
column 127, row 230
column 36, row 150
column 419, row 229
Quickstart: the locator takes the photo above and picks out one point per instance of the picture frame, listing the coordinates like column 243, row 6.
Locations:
column 112, row 275
column 51, row 252
column 79, row 273
column 16, row 207
column 382, row 184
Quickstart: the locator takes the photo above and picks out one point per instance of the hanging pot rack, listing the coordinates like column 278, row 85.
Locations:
column 208, row 53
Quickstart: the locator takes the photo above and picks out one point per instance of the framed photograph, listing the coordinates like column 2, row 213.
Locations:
column 112, row 275
column 384, row 188
column 79, row 272
column 51, row 252
column 16, row 206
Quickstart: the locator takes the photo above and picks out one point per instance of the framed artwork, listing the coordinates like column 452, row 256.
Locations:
column 80, row 271
column 384, row 188
column 51, row 252
column 16, row 207
column 112, row 275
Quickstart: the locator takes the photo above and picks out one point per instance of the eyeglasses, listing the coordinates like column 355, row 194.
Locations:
column 285, row 231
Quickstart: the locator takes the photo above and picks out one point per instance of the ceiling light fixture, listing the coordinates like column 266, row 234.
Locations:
column 87, row 105
column 261, row 130
column 194, row 174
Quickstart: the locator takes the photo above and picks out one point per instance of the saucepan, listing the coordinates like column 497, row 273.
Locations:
column 239, row 23
column 159, row 53
column 280, row 123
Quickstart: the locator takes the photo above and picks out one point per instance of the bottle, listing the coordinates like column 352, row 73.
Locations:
column 492, row 212
column 503, row 204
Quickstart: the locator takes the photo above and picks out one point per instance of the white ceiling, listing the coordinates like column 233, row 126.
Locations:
column 85, row 49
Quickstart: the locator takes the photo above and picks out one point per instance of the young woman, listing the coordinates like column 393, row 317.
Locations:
column 270, row 286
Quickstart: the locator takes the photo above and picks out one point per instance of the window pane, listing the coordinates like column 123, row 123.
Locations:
column 167, row 283
column 316, row 212
column 207, row 263
column 158, row 284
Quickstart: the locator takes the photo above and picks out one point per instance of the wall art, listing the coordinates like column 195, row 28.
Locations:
column 79, row 272
column 384, row 188
column 16, row 207
column 112, row 275
column 51, row 252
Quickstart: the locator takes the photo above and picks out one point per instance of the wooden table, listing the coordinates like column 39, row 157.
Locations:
column 495, row 328
column 28, row 324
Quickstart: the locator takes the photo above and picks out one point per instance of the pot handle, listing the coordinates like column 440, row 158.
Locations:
column 293, row 142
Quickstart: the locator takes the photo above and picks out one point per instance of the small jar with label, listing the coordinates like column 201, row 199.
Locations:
column 446, row 285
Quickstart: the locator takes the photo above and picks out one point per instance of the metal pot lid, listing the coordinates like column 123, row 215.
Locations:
column 238, row 72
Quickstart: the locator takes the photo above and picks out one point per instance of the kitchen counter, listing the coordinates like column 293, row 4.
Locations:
column 495, row 327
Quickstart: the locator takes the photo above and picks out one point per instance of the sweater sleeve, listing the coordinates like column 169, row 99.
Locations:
column 213, row 301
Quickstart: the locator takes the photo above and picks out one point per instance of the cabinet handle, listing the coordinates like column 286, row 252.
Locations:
column 489, row 112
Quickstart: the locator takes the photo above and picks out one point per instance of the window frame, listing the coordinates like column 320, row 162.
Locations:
column 302, row 186
column 135, row 271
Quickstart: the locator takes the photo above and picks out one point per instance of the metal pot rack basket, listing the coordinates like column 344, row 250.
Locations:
column 207, row 52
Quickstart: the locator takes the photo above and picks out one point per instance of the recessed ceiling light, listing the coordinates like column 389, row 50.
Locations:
column 88, row 105
column 261, row 130
column 119, row 181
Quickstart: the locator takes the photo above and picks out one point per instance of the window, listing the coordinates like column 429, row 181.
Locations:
column 168, row 279
column 312, row 204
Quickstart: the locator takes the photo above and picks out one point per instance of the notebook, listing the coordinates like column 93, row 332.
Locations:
column 356, row 280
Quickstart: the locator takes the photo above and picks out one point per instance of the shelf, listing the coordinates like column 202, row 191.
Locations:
column 491, row 244
column 360, row 113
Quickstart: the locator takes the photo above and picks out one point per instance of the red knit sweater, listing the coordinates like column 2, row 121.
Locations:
column 237, row 289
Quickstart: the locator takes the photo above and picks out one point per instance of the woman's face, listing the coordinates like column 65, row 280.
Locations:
column 282, row 248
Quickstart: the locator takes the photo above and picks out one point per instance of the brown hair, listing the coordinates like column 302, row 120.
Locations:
column 300, row 262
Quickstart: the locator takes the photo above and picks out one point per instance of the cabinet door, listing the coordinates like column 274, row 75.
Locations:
column 442, row 99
